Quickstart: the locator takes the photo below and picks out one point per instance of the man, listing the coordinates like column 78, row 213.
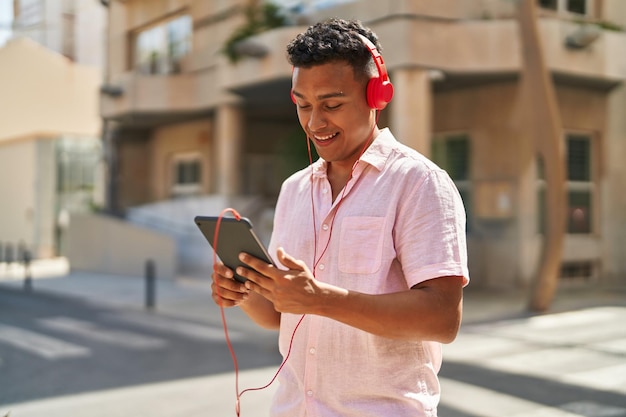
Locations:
column 370, row 247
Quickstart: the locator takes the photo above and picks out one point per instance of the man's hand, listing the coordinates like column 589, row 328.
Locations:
column 226, row 291
column 293, row 290
column 431, row 310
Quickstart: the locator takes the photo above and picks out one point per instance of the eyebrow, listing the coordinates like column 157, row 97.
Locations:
column 323, row 96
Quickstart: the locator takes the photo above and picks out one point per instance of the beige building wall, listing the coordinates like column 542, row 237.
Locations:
column 18, row 174
column 44, row 97
column 90, row 33
column 107, row 245
column 505, row 249
column 44, row 92
column 181, row 140
column 612, row 188
column 456, row 68
column 134, row 170
column 73, row 28
column 486, row 113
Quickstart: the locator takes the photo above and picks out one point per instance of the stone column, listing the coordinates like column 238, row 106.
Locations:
column 229, row 140
column 411, row 108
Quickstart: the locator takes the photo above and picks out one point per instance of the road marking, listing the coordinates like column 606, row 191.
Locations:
column 192, row 397
column 590, row 355
column 91, row 331
column 609, row 378
column 179, row 327
column 588, row 326
column 590, row 409
column 40, row 345
column 484, row 402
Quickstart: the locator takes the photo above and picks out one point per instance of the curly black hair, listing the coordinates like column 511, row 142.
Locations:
column 334, row 40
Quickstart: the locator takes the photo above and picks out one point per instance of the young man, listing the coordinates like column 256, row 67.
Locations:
column 370, row 243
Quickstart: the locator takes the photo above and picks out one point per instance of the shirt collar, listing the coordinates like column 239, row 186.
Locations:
column 375, row 155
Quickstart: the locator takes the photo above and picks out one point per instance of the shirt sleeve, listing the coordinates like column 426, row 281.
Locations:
column 430, row 231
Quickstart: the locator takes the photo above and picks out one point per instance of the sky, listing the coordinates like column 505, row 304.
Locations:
column 6, row 14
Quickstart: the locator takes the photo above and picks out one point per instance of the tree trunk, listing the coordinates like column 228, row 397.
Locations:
column 542, row 113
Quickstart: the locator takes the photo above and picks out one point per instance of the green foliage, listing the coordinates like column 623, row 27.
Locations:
column 610, row 26
column 258, row 19
column 292, row 151
column 602, row 24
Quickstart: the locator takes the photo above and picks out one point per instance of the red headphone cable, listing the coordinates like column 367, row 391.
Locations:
column 238, row 217
column 368, row 142
column 225, row 326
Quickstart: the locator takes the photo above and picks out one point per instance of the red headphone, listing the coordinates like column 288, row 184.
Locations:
column 379, row 89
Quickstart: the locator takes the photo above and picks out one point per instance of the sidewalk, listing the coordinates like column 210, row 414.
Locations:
column 190, row 297
column 487, row 314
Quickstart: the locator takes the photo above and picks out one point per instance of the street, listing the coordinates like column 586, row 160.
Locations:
column 563, row 365
column 69, row 355
column 54, row 346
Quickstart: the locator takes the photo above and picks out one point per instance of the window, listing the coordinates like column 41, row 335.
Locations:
column 186, row 174
column 579, row 186
column 76, row 158
column 570, row 6
column 549, row 4
column 577, row 6
column 452, row 153
column 159, row 49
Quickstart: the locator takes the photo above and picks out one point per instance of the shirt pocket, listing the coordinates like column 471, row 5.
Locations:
column 360, row 244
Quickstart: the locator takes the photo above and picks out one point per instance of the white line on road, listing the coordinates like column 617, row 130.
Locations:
column 179, row 327
column 484, row 402
column 194, row 397
column 40, row 345
column 91, row 331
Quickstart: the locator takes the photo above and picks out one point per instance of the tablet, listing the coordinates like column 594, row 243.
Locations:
column 234, row 236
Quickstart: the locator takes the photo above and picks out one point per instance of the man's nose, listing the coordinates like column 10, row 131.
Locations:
column 316, row 120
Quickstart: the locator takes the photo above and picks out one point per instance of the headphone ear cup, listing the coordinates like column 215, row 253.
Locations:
column 379, row 93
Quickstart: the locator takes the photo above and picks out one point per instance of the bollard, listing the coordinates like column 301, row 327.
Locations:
column 28, row 279
column 8, row 254
column 150, row 284
column 20, row 252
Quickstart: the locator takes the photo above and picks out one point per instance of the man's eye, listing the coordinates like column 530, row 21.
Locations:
column 329, row 107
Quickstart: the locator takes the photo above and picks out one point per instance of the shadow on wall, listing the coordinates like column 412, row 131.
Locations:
column 174, row 218
column 98, row 243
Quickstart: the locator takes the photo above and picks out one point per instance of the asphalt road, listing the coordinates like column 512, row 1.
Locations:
column 66, row 355
column 56, row 346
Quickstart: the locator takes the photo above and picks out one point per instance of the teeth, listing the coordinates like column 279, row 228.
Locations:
column 322, row 138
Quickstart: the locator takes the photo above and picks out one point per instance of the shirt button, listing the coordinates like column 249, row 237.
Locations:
column 312, row 351
column 309, row 393
column 321, row 267
column 325, row 226
column 324, row 191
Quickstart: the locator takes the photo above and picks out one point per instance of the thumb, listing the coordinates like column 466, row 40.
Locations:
column 287, row 260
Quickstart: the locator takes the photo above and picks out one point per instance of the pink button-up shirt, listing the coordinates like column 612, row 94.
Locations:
column 401, row 222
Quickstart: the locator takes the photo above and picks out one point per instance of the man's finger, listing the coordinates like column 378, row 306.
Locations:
column 287, row 260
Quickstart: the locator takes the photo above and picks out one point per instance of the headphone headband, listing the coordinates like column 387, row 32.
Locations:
column 378, row 58
column 379, row 89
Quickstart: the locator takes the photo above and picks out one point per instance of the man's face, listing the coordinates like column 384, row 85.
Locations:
column 333, row 111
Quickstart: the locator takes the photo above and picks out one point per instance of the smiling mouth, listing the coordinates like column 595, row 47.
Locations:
column 324, row 138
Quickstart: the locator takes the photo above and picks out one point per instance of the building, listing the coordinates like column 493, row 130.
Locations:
column 190, row 131
column 49, row 145
column 50, row 148
column 72, row 28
